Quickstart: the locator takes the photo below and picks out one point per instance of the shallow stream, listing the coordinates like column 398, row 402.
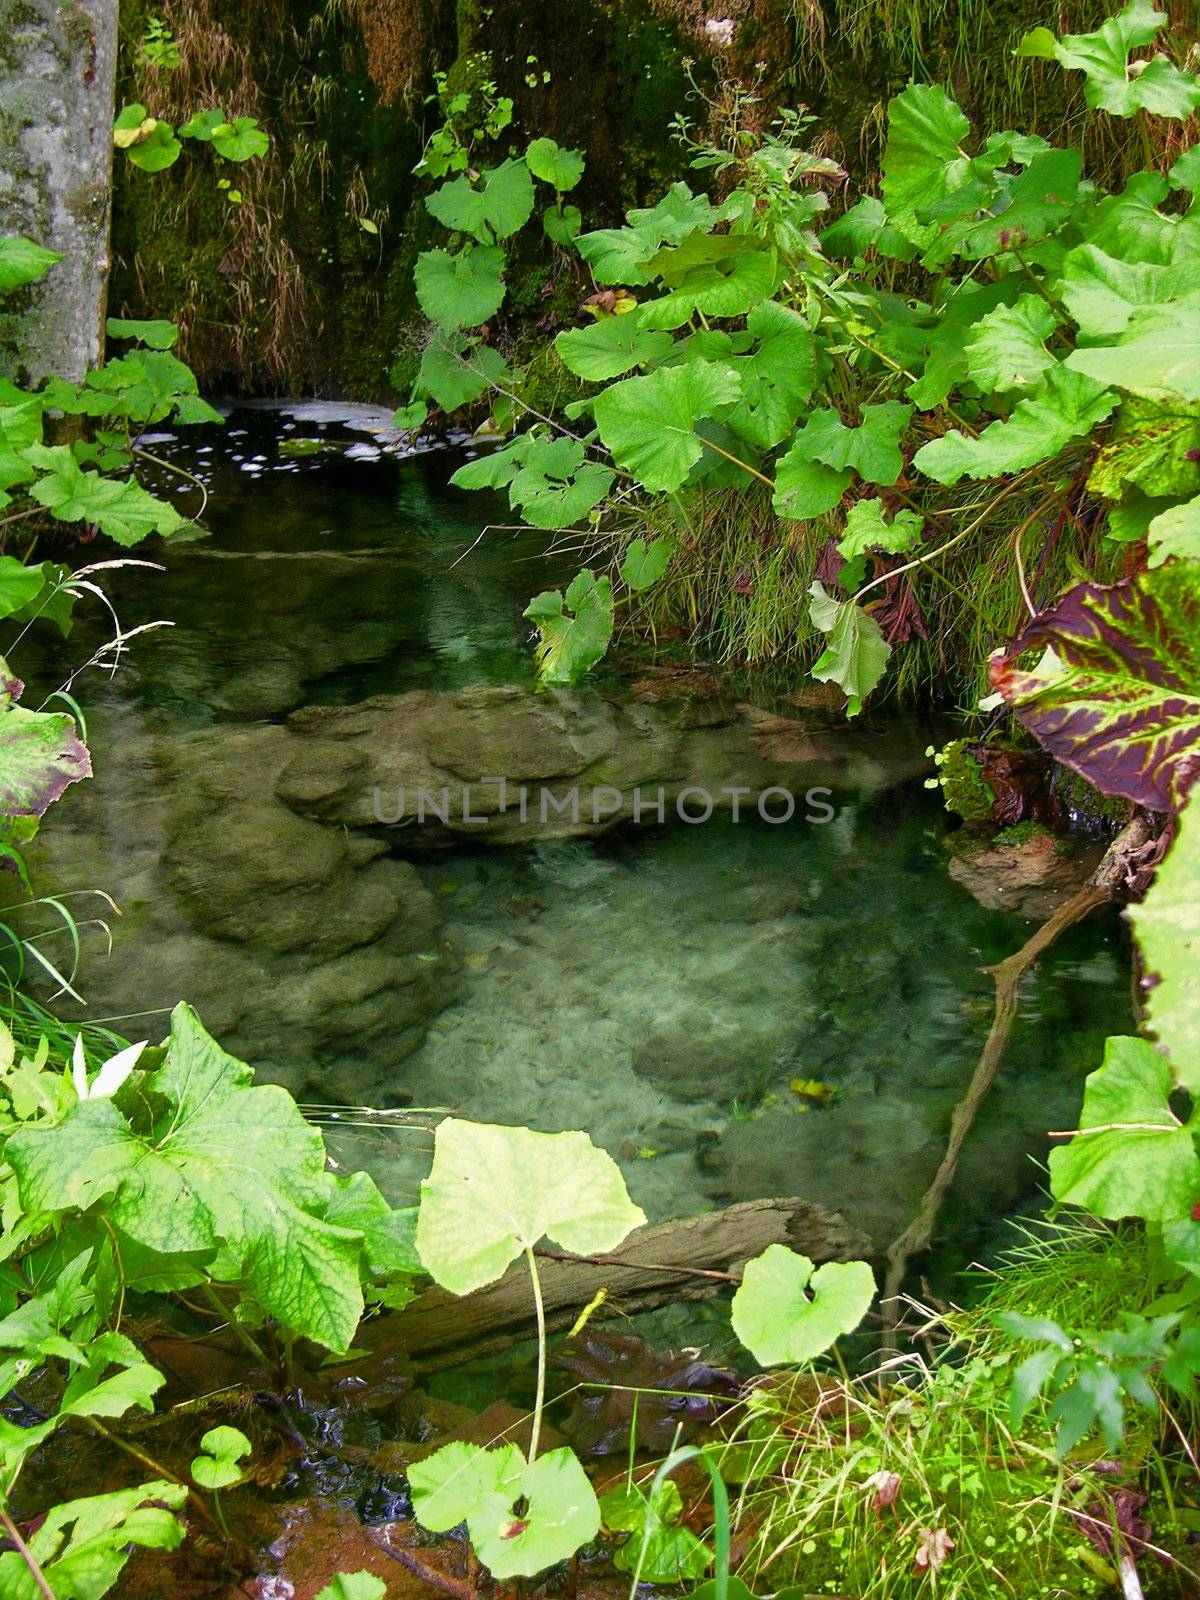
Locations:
column 734, row 1010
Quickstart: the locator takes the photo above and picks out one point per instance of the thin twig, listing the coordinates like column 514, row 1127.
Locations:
column 26, row 1555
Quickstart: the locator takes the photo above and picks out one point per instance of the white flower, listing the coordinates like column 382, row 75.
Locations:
column 719, row 32
column 111, row 1075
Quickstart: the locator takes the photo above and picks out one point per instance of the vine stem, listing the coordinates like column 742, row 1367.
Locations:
column 156, row 1467
column 26, row 1555
column 180, row 472
column 540, row 1397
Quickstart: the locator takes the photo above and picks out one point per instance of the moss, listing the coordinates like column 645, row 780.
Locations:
column 964, row 788
column 1086, row 809
column 1020, row 833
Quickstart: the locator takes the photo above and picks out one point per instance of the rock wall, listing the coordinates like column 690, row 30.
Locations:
column 57, row 71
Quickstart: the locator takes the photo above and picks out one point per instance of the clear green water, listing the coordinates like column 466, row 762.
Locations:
column 660, row 988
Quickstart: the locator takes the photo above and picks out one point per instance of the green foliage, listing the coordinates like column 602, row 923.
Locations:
column 354, row 1586
column 153, row 145
column 493, row 1192
column 660, row 1550
column 216, row 1467
column 82, row 1545
column 783, row 1311
column 573, row 631
column 1113, row 82
column 22, row 262
column 1167, row 927
column 740, row 352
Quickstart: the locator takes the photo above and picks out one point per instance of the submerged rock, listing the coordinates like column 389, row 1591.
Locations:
column 1024, row 869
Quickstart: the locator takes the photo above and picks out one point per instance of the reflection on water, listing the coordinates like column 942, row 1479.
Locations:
column 732, row 1010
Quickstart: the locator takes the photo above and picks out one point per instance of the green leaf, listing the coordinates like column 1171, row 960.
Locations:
column 649, row 423
column 216, row 1467
column 1175, row 533
column 1067, row 406
column 121, row 509
column 867, row 528
column 1011, row 212
column 1152, row 448
column 922, row 161
column 556, row 487
column 1116, row 695
column 1132, row 1157
column 82, row 1546
column 461, row 1482
column 660, row 1549
column 18, row 584
column 611, row 347
column 463, row 290
column 354, row 1586
column 573, row 634
column 864, row 227
column 40, row 753
column 389, row 1236
column 1007, row 347
column 562, row 227
column 159, row 334
column 1102, row 293
column 550, row 162
column 239, row 140
column 157, row 149
column 22, row 262
column 778, row 375
column 1113, row 83
column 200, row 125
column 230, row 1165
column 496, row 208
column 644, row 564
column 742, row 276
column 1157, row 356
column 783, row 1311
column 1185, row 174
column 410, row 417
column 453, row 371
column 617, row 255
column 816, row 470
column 494, row 1192
column 857, row 652
column 1167, row 927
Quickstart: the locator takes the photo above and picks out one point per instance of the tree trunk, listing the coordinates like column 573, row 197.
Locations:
column 686, row 1260
column 58, row 67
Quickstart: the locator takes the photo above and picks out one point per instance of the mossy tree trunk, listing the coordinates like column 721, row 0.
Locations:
column 57, row 75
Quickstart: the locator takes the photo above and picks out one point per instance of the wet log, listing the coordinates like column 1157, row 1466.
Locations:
column 691, row 1259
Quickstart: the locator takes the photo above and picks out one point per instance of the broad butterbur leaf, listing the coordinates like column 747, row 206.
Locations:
column 611, row 347
column 464, row 1483
column 454, row 370
column 239, row 140
column 857, row 652
column 922, row 161
column 1175, row 532
column 1066, row 406
column 494, row 1192
column 22, row 262
column 490, row 210
column 1117, row 696
column 649, row 423
column 82, row 1546
column 1167, row 926
column 157, row 333
column 549, row 161
column 1007, row 348
column 1102, row 293
column 644, row 564
column 784, row 1311
column 463, row 290
column 1156, row 356
column 659, row 1548
column 225, row 1164
column 1132, row 1156
column 1114, row 83
column 216, row 1467
column 573, row 632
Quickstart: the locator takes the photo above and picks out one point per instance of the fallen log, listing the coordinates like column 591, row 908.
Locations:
column 686, row 1260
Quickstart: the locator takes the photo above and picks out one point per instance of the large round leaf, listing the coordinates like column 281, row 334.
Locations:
column 784, row 1311
column 494, row 1191
column 463, row 290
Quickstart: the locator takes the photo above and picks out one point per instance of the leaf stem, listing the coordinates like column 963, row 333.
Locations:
column 239, row 1332
column 26, row 1555
column 540, row 1397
